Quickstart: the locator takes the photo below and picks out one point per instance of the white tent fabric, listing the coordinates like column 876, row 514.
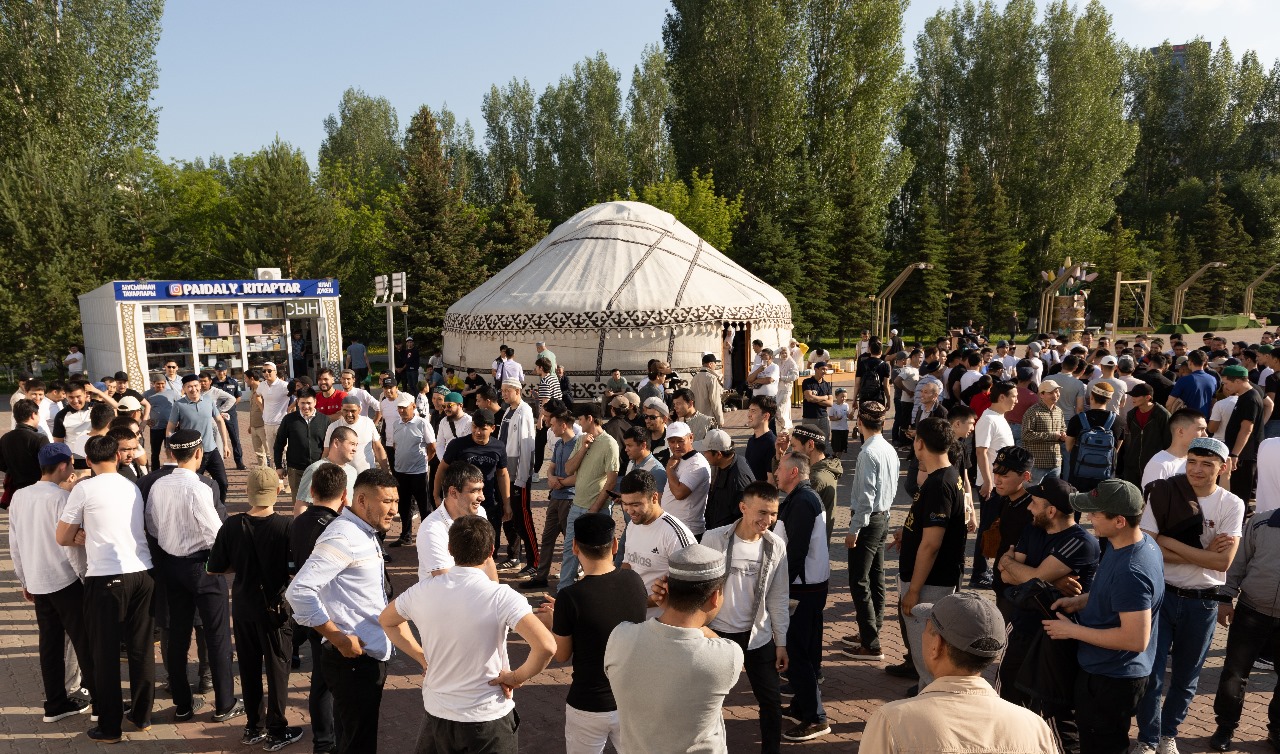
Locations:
column 614, row 286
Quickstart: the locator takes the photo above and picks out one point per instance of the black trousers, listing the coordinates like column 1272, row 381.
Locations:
column 233, row 429
column 520, row 528
column 866, row 579
column 988, row 512
column 261, row 646
column 1062, row 721
column 413, row 491
column 320, row 701
column 189, row 588
column 60, row 615
column 356, row 684
column 901, row 420
column 361, row 374
column 154, row 441
column 1104, row 710
column 118, row 610
column 214, row 467
column 440, row 736
column 1252, row 635
column 539, row 445
column 1242, row 480
column 762, row 674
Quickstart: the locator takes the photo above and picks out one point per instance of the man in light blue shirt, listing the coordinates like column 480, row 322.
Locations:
column 875, row 483
column 340, row 592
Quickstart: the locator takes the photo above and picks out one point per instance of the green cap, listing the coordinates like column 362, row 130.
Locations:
column 1114, row 496
column 1266, row 348
column 453, row 398
column 1237, row 371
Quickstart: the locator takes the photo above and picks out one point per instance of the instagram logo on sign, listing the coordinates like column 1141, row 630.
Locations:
column 175, row 289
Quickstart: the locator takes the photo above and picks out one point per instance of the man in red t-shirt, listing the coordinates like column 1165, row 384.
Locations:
column 328, row 400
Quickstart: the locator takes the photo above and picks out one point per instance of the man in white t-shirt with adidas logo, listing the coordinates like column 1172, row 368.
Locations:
column 652, row 534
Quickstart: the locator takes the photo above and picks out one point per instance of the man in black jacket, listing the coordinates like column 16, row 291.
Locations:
column 302, row 431
column 730, row 475
column 20, row 448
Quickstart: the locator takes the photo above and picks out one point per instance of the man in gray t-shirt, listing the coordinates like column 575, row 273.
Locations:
column 670, row 675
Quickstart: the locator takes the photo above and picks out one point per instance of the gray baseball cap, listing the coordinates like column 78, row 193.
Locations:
column 716, row 439
column 966, row 621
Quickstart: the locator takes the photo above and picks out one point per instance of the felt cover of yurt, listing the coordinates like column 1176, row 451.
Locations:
column 614, row 286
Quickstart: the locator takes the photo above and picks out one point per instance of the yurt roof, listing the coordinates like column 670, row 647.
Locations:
column 618, row 266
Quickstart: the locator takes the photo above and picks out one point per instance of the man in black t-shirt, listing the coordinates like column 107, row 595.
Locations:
column 932, row 538
column 484, row 451
column 762, row 445
column 1011, row 472
column 1244, row 430
column 817, row 399
column 582, row 616
column 871, row 382
column 255, row 547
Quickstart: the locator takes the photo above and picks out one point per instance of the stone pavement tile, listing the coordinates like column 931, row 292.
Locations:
column 852, row 692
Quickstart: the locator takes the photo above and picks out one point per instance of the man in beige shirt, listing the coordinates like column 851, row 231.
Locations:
column 959, row 711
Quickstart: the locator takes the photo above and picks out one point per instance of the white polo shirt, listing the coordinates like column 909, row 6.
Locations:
column 275, row 401
column 390, row 419
column 464, row 618
column 109, row 509
column 1223, row 514
column 433, row 542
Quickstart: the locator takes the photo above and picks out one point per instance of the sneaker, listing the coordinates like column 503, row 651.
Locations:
column 206, row 685
column 1140, row 748
column 786, row 691
column 982, row 583
column 902, row 670
column 181, row 716
column 96, row 734
column 806, row 731
column 528, row 572
column 70, row 706
column 401, row 542
column 789, row 714
column 534, row 583
column 1167, row 745
column 853, row 641
column 508, row 565
column 291, row 735
column 236, row 710
column 862, row 653
column 1221, row 739
column 1263, row 664
column 821, row 678
column 252, row 736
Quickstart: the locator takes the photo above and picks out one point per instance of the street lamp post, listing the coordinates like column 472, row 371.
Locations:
column 949, row 295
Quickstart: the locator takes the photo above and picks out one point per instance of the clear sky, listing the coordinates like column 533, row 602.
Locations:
column 235, row 74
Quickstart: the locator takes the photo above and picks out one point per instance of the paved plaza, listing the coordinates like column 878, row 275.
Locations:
column 852, row 691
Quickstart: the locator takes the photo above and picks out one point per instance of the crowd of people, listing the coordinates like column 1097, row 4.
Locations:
column 119, row 533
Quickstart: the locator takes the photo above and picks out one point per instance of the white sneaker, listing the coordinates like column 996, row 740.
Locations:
column 1168, row 745
column 1137, row 747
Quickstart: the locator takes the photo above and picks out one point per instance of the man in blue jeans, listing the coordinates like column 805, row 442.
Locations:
column 1195, row 566
column 594, row 468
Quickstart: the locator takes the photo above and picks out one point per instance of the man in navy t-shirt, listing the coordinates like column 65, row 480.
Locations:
column 1113, row 620
column 487, row 453
column 1196, row 388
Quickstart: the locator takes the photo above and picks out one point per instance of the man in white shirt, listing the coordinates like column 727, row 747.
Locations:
column 390, row 417
column 652, row 534
column 368, row 404
column 788, row 373
column 456, row 423
column 1108, row 364
column 369, row 450
column 1195, row 568
column 74, row 362
column 1185, row 425
column 763, row 379
column 180, row 514
column 463, row 618
column 49, row 576
column 990, row 435
column 463, row 490
column 118, row 587
column 688, row 479
column 272, row 397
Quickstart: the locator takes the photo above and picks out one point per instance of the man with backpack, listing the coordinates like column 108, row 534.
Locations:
column 871, row 383
column 1094, row 438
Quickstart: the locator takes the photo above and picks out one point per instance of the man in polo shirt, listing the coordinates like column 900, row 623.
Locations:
column 688, row 479
column 118, row 587
column 161, row 400
column 231, row 386
column 463, row 496
column 817, row 399
column 196, row 411
column 49, row 576
column 1114, row 620
column 594, row 467
column 463, row 618
column 302, row 432
column 1195, row 566
column 416, row 442
column 272, row 399
column 959, row 711
column 340, row 591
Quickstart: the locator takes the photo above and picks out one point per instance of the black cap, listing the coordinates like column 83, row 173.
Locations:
column 221, row 366
column 1012, row 458
column 189, row 378
column 482, row 418
column 388, row 382
column 594, row 529
column 1056, row 491
column 1141, row 389
column 929, row 367
column 709, row 358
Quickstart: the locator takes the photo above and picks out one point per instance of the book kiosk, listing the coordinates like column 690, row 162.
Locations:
column 138, row 326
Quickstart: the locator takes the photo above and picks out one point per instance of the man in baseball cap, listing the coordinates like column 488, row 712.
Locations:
column 730, row 477
column 959, row 711
column 644, row 660
column 1113, row 621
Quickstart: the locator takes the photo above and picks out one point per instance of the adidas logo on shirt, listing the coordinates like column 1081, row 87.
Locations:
column 655, row 551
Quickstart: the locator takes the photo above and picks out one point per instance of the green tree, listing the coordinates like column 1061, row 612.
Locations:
column 966, row 259
column 811, row 219
column 648, row 139
column 433, row 233
column 923, row 311
column 510, row 131
column 363, row 139
column 778, row 260
column 280, row 217
column 697, row 205
column 1220, row 237
column 1006, row 269
column 859, row 254
column 511, row 228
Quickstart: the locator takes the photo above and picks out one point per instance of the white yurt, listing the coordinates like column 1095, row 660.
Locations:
column 614, row 286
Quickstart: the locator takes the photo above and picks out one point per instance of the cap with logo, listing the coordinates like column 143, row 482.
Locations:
column 1012, row 459
column 717, row 440
column 263, row 487
column 1114, row 496
column 966, row 621
column 1056, row 491
column 221, row 366
column 388, row 382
